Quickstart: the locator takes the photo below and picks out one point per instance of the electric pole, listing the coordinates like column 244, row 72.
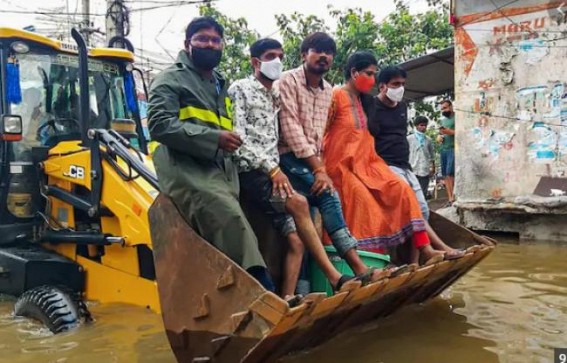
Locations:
column 86, row 20
column 116, row 16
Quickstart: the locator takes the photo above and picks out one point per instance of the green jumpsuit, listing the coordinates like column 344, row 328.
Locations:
column 187, row 113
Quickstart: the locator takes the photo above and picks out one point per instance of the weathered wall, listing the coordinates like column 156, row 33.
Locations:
column 511, row 100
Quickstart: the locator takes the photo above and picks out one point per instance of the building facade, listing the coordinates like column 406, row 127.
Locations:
column 511, row 112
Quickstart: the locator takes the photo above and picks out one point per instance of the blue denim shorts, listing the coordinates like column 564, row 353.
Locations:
column 448, row 162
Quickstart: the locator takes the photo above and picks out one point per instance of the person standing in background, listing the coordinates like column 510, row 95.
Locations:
column 447, row 140
column 422, row 155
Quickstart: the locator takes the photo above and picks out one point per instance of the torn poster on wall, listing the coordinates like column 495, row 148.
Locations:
column 530, row 100
column 555, row 102
column 542, row 141
column 542, row 102
column 490, row 142
column 563, row 111
column 533, row 49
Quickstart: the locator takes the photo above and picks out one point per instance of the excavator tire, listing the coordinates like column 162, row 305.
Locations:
column 57, row 308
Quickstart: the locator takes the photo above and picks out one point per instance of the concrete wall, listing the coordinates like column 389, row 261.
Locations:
column 511, row 103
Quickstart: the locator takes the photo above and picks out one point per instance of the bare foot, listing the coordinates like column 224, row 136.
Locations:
column 427, row 253
column 433, row 260
column 378, row 274
column 454, row 254
column 399, row 270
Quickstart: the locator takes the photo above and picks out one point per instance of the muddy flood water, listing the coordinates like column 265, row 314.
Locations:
column 512, row 308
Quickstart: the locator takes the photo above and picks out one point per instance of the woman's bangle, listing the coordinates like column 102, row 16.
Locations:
column 320, row 169
column 275, row 171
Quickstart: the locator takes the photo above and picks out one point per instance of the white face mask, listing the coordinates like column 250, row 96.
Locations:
column 395, row 94
column 272, row 69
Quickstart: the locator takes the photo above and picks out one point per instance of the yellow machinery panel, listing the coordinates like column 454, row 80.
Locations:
column 108, row 285
column 114, row 274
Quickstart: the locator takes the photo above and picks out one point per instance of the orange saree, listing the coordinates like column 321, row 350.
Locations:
column 380, row 209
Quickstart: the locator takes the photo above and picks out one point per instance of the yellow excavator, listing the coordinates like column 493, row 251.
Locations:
column 81, row 218
column 75, row 180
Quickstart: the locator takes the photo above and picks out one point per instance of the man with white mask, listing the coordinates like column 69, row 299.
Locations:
column 389, row 126
column 256, row 104
column 388, row 123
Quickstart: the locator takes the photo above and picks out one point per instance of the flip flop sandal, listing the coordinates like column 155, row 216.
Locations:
column 366, row 277
column 397, row 271
column 342, row 281
column 294, row 300
column 433, row 260
column 455, row 255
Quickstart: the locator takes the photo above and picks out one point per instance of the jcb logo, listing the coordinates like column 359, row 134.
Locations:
column 75, row 172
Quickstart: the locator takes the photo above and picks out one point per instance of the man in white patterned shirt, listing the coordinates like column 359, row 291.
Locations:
column 256, row 105
column 421, row 157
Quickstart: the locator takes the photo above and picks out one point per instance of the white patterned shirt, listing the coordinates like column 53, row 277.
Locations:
column 254, row 116
column 421, row 154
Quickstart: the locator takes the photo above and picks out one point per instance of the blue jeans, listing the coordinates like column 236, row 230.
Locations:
column 329, row 204
column 411, row 179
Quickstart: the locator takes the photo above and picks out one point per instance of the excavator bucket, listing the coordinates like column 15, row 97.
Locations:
column 213, row 311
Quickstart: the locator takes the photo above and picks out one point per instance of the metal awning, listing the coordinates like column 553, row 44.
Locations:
column 430, row 75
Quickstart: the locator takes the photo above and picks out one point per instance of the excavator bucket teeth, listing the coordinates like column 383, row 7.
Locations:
column 200, row 289
column 213, row 311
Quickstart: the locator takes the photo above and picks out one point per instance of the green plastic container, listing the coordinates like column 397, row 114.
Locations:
column 319, row 282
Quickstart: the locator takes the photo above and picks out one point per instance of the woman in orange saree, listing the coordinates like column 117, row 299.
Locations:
column 380, row 209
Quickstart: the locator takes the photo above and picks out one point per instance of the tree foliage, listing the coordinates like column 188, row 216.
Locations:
column 238, row 37
column 398, row 37
column 356, row 30
column 404, row 36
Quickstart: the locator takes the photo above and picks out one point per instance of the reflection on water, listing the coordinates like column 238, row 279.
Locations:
column 512, row 308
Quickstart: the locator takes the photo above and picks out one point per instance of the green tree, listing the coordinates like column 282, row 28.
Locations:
column 238, row 37
column 356, row 30
column 404, row 36
column 399, row 37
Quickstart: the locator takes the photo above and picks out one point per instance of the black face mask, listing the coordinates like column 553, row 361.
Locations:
column 447, row 114
column 206, row 58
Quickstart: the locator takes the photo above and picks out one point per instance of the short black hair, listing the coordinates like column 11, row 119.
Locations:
column 262, row 45
column 203, row 22
column 319, row 41
column 446, row 101
column 359, row 60
column 420, row 120
column 391, row 72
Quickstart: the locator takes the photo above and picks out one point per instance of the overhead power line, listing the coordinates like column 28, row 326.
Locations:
column 164, row 5
column 497, row 9
column 48, row 12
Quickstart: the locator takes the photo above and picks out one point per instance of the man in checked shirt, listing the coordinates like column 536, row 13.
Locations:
column 255, row 114
column 305, row 101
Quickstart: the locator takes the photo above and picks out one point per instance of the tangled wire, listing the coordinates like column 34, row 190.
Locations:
column 119, row 14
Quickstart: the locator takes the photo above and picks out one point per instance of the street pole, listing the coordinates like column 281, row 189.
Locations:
column 115, row 20
column 86, row 21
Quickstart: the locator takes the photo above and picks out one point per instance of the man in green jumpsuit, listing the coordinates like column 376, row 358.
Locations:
column 189, row 116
